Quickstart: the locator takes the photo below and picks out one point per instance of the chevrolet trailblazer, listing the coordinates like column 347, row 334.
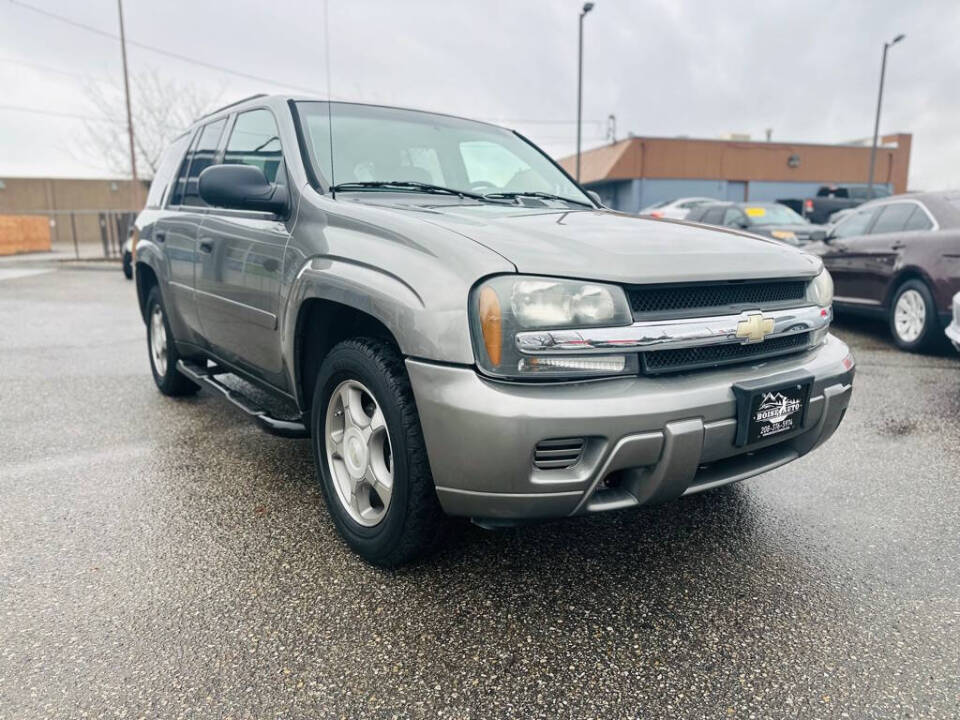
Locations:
column 460, row 329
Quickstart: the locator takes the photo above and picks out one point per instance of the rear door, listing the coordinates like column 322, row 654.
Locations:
column 241, row 258
column 881, row 248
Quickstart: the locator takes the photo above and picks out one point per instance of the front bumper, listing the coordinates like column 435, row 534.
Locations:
column 647, row 439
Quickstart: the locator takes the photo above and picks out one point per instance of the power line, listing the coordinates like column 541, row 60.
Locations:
column 47, row 68
column 56, row 113
column 161, row 51
column 237, row 73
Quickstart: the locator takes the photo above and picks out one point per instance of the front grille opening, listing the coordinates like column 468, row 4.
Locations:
column 558, row 453
column 706, row 298
column 666, row 361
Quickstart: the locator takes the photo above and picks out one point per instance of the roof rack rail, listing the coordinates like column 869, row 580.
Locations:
column 230, row 105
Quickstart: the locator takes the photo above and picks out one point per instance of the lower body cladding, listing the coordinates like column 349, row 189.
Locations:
column 510, row 452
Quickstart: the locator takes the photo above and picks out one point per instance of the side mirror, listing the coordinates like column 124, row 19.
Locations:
column 818, row 236
column 241, row 187
column 595, row 196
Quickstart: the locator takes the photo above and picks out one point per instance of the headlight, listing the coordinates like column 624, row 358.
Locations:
column 820, row 289
column 503, row 306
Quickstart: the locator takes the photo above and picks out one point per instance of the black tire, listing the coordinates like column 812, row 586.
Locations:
column 930, row 336
column 169, row 381
column 413, row 522
column 128, row 266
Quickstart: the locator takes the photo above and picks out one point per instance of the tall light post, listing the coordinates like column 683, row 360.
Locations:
column 876, row 122
column 587, row 7
column 126, row 91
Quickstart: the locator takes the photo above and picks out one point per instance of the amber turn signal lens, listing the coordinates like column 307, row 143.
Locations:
column 491, row 324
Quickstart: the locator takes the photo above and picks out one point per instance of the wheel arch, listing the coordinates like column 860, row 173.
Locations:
column 910, row 272
column 321, row 324
column 146, row 279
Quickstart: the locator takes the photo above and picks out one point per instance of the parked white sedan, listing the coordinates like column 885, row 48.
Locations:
column 675, row 209
column 953, row 330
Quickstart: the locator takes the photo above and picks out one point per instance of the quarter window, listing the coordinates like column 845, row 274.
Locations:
column 918, row 221
column 168, row 165
column 255, row 141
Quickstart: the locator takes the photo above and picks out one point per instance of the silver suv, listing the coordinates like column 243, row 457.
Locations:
column 460, row 329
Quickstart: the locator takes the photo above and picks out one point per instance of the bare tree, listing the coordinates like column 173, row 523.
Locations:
column 162, row 109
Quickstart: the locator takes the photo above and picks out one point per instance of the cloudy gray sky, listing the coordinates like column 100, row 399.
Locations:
column 809, row 70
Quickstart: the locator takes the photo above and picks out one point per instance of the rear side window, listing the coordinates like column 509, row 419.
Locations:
column 713, row 216
column 255, row 141
column 168, row 166
column 200, row 156
column 893, row 218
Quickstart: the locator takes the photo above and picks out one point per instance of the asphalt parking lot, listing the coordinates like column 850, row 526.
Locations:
column 163, row 558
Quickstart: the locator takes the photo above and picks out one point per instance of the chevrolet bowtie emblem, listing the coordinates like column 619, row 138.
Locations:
column 754, row 328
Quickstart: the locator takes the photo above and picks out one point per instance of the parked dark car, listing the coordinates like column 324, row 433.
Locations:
column 770, row 219
column 899, row 257
column 831, row 198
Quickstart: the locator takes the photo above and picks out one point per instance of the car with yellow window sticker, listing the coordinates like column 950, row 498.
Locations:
column 761, row 218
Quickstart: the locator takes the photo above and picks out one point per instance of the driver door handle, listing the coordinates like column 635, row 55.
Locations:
column 206, row 246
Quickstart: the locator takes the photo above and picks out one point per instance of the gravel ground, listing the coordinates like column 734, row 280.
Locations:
column 163, row 558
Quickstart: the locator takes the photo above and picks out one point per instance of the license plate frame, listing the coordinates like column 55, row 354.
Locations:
column 770, row 408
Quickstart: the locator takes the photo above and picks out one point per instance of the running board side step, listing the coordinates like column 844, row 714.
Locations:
column 208, row 376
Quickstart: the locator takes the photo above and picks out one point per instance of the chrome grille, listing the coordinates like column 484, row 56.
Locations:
column 713, row 298
column 558, row 453
column 667, row 361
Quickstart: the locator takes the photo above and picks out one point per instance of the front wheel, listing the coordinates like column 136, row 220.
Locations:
column 370, row 454
column 913, row 317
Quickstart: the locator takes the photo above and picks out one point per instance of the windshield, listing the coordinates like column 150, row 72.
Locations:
column 773, row 215
column 384, row 145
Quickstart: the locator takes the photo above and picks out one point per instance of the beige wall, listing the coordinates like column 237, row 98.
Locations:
column 58, row 196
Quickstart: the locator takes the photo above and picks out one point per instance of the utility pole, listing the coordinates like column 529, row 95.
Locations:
column 587, row 7
column 876, row 122
column 126, row 90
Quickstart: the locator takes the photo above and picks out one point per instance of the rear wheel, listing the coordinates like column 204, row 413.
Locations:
column 913, row 317
column 163, row 350
column 370, row 454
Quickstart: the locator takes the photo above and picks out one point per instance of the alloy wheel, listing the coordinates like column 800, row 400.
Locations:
column 910, row 315
column 359, row 453
column 158, row 341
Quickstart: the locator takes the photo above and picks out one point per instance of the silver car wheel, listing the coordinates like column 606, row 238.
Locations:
column 910, row 315
column 158, row 341
column 359, row 453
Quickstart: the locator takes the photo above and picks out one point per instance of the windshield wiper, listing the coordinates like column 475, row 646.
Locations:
column 534, row 194
column 406, row 185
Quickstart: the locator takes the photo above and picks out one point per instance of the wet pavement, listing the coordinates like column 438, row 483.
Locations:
column 165, row 558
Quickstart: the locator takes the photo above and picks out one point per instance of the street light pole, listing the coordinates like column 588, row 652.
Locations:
column 876, row 122
column 126, row 89
column 587, row 7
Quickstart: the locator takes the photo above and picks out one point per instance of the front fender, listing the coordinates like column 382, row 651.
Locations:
column 434, row 327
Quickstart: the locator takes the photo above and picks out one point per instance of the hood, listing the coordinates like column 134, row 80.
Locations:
column 614, row 247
